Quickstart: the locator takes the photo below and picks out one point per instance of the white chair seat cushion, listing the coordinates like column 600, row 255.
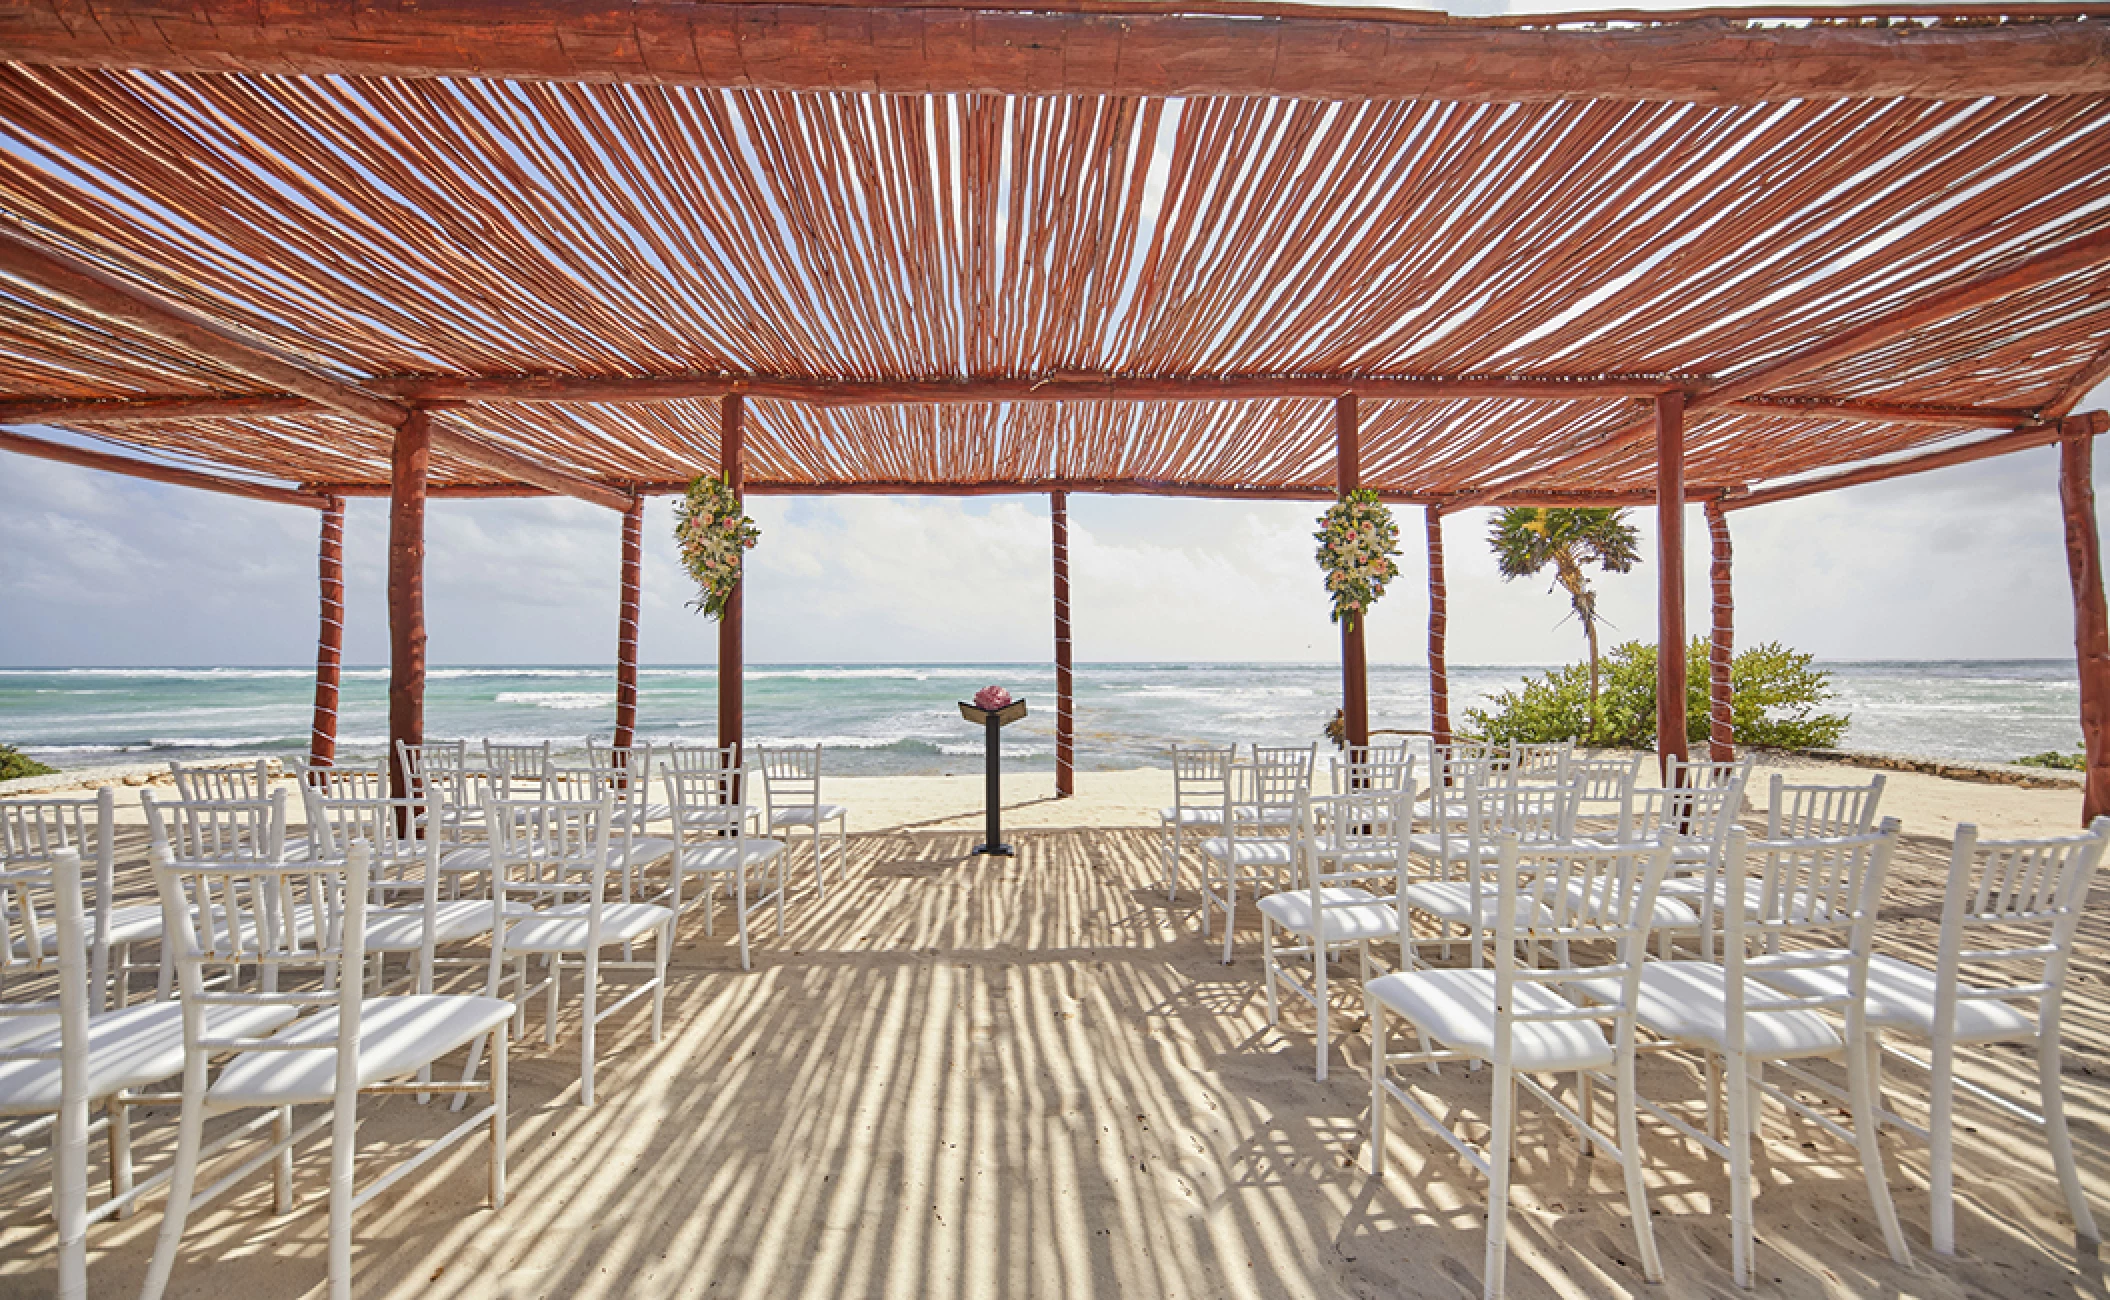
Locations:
column 715, row 815
column 645, row 850
column 1685, row 1001
column 565, row 930
column 1265, row 814
column 468, row 858
column 126, row 1049
column 725, row 855
column 1452, row 900
column 643, row 814
column 1248, row 853
column 1349, row 915
column 402, row 929
column 1692, row 889
column 1664, row 914
column 397, row 1035
column 806, row 814
column 1191, row 816
column 135, row 923
column 1457, row 1009
column 1454, row 846
column 1901, row 998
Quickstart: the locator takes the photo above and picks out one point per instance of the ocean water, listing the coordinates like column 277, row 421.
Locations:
column 883, row 719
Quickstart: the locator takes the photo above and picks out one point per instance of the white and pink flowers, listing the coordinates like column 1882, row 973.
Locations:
column 713, row 535
column 1357, row 540
column 991, row 698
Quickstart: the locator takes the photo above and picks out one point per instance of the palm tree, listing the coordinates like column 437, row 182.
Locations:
column 1526, row 539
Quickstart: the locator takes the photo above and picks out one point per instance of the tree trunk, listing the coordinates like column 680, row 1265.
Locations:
column 1590, row 632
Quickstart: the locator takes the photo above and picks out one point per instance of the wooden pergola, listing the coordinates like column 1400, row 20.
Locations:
column 305, row 251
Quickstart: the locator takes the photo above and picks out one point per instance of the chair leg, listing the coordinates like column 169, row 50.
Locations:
column 1498, row 1185
column 69, row 1187
column 739, row 893
column 344, row 1130
column 555, row 963
column 119, row 1134
column 1318, row 953
column 282, row 1167
column 499, row 1082
column 1172, row 868
column 1941, row 1147
column 1374, row 1012
column 1208, row 894
column 1860, row 1081
column 1740, row 1234
column 1230, row 910
column 2054, row 1103
column 190, row 1132
column 1627, row 1099
column 591, row 1004
column 1586, row 1109
column 659, row 978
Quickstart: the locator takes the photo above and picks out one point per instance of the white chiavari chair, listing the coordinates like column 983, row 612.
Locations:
column 439, row 773
column 1354, row 874
column 1519, row 1019
column 635, row 761
column 32, row 830
column 307, row 916
column 514, row 771
column 1371, row 767
column 791, row 802
column 1815, row 924
column 2010, row 914
column 711, row 830
column 1798, row 811
column 1265, row 819
column 1604, row 795
column 1459, row 893
column 711, row 759
column 551, row 868
column 1547, row 762
column 1201, row 790
column 222, row 782
column 58, row 1062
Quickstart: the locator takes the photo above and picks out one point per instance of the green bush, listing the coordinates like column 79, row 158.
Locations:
column 2053, row 758
column 14, row 763
column 1775, row 696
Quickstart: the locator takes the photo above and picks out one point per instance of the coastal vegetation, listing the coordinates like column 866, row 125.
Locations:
column 1527, row 540
column 1777, row 701
column 2053, row 758
column 14, row 763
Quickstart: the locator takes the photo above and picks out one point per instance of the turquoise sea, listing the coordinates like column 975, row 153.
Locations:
column 900, row 718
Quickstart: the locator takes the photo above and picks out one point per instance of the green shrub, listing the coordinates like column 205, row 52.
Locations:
column 14, row 763
column 1775, row 696
column 2053, row 758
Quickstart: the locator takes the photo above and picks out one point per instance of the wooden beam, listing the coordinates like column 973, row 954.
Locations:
column 1054, row 48
column 2077, row 255
column 1439, row 629
column 91, row 292
column 1355, row 661
column 513, row 465
column 732, row 665
column 2091, row 622
column 329, row 639
column 1065, row 702
column 89, row 414
column 2040, row 435
column 1721, row 651
column 1671, row 745
column 1963, row 417
column 626, row 625
column 2075, row 391
column 410, row 458
column 23, row 444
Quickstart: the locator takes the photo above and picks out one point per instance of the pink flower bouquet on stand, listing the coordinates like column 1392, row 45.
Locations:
column 991, row 698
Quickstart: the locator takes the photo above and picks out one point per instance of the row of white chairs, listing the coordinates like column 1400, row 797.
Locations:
column 1497, row 858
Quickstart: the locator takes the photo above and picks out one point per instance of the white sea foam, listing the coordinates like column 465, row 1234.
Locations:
column 567, row 700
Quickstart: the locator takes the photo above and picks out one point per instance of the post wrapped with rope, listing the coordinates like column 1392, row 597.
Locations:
column 1439, row 631
column 329, row 639
column 1721, row 654
column 1065, row 683
column 626, row 624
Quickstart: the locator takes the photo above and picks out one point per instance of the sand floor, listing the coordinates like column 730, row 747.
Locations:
column 1026, row 1077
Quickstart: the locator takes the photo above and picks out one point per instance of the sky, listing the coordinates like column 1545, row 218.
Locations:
column 103, row 570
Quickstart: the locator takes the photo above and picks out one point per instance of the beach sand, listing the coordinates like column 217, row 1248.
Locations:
column 1032, row 1077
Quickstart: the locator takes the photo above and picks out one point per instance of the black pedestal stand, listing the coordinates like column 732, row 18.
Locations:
column 993, row 721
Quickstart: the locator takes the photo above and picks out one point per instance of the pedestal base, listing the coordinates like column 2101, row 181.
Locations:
column 994, row 851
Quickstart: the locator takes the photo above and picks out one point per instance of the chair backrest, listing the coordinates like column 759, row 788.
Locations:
column 1201, row 775
column 33, row 832
column 224, row 831
column 551, row 851
column 1542, row 762
column 1690, row 815
column 394, row 831
column 347, row 782
column 699, row 758
column 634, row 757
column 1604, row 787
column 2009, row 917
column 507, row 765
column 1588, row 902
column 1281, row 775
column 1538, row 813
column 1704, row 773
column 1364, row 836
column 1372, row 767
column 1451, row 765
column 221, row 782
column 441, row 763
column 1796, row 812
column 791, row 775
column 708, row 800
column 1800, row 904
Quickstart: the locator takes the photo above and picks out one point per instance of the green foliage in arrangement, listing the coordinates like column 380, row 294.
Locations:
column 14, row 763
column 2053, row 758
column 1776, row 698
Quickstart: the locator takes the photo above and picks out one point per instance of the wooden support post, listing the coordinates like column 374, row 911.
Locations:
column 732, row 439
column 626, row 624
column 1355, row 672
column 1439, row 630
column 1670, row 580
column 329, row 639
column 1065, row 703
column 1721, row 654
column 409, row 460
column 2091, row 624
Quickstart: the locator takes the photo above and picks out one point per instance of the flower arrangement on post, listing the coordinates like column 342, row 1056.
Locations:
column 714, row 535
column 1357, row 540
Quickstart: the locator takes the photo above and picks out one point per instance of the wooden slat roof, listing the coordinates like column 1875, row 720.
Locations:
column 490, row 240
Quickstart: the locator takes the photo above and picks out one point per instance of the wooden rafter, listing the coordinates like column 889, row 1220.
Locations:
column 1123, row 49
column 2038, row 435
column 25, row 445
